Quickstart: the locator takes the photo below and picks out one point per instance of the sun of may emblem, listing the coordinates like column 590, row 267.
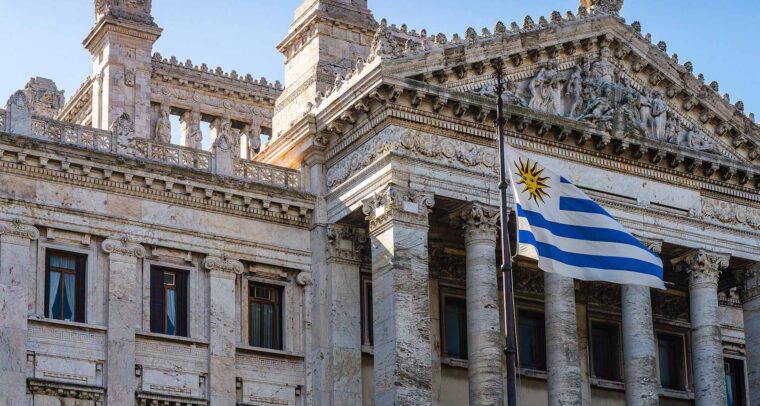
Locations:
column 531, row 180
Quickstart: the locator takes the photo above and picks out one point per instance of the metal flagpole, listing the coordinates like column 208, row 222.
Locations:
column 506, row 266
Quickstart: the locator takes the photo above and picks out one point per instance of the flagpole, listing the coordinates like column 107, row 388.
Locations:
column 510, row 349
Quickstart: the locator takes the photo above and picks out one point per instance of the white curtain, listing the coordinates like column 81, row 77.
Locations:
column 69, row 285
column 54, row 291
column 171, row 312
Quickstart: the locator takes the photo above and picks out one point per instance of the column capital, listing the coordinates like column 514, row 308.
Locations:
column 653, row 244
column 122, row 245
column 702, row 266
column 478, row 221
column 396, row 203
column 225, row 265
column 18, row 232
column 345, row 243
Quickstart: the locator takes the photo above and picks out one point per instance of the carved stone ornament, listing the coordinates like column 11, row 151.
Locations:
column 603, row 294
column 62, row 390
column 730, row 213
column 16, row 231
column 477, row 220
column 223, row 265
column 604, row 6
column 448, row 266
column 528, row 281
column 134, row 10
column 670, row 306
column 750, row 288
column 703, row 267
column 345, row 242
column 304, row 279
column 398, row 204
column 122, row 245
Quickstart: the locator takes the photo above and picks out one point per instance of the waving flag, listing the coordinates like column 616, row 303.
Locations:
column 569, row 234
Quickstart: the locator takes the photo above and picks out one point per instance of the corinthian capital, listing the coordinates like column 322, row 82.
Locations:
column 477, row 220
column 399, row 204
column 652, row 244
column 122, row 245
column 703, row 267
column 18, row 232
column 223, row 265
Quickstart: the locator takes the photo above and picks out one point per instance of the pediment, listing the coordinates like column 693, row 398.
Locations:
column 593, row 69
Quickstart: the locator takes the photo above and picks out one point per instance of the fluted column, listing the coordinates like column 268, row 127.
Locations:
column 562, row 361
column 484, row 352
column 398, row 222
column 704, row 269
column 123, row 318
column 221, row 325
column 16, row 292
column 639, row 351
column 751, row 307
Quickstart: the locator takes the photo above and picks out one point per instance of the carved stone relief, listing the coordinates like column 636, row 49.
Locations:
column 730, row 213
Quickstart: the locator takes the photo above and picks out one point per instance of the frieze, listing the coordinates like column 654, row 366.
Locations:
column 730, row 213
column 603, row 294
column 670, row 306
column 448, row 266
column 528, row 281
column 416, row 144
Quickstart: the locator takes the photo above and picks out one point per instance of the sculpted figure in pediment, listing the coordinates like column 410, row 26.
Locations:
column 694, row 139
column 603, row 70
column 574, row 89
column 546, row 90
column 599, row 109
column 658, row 117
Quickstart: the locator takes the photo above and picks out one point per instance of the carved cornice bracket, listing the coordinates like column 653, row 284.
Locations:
column 122, row 245
column 221, row 264
column 397, row 204
column 345, row 243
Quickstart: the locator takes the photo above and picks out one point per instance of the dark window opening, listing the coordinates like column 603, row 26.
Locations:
column 734, row 382
column 605, row 346
column 65, row 286
column 265, row 316
column 455, row 327
column 168, row 301
column 670, row 353
column 367, row 323
column 532, row 340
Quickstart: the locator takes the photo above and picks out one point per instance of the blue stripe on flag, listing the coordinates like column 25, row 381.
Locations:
column 581, row 205
column 580, row 232
column 563, row 180
column 589, row 261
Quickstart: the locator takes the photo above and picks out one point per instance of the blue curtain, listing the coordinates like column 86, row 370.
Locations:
column 54, row 301
column 255, row 325
column 729, row 391
column 171, row 312
column 268, row 326
column 69, row 285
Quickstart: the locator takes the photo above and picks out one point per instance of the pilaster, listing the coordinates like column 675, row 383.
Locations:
column 639, row 352
column 16, row 273
column 221, row 320
column 398, row 219
column 480, row 225
column 123, row 318
column 751, row 309
column 704, row 268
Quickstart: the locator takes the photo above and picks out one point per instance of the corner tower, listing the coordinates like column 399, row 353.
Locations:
column 324, row 40
column 120, row 44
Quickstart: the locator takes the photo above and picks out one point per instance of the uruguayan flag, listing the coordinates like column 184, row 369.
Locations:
column 569, row 234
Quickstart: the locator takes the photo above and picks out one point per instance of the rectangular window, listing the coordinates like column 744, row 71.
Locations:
column 454, row 327
column 532, row 340
column 65, row 286
column 367, row 325
column 265, row 316
column 670, row 354
column 168, row 301
column 605, row 347
column 734, row 381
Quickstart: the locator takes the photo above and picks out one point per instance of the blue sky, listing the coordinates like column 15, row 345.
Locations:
column 44, row 37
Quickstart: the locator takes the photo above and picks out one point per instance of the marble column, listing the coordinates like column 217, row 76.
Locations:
column 704, row 269
column 639, row 351
column 562, row 361
column 343, row 284
column 123, row 318
column 221, row 325
column 398, row 222
column 751, row 307
column 16, row 274
column 484, row 349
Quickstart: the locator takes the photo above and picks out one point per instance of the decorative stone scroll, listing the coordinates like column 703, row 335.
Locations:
column 17, row 231
column 223, row 265
column 304, row 279
column 398, row 204
column 123, row 246
column 345, row 242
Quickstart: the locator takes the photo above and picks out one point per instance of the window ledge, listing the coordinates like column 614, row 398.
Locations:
column 166, row 337
column 676, row 394
column 533, row 373
column 455, row 362
column 68, row 324
column 268, row 351
column 606, row 384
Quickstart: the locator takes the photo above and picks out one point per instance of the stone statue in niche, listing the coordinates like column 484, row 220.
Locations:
column 163, row 126
column 658, row 117
column 223, row 140
column 191, row 123
column 574, row 90
column 254, row 141
column 546, row 90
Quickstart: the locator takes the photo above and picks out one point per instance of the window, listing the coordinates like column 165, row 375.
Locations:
column 367, row 324
column 670, row 354
column 734, row 381
column 454, row 327
column 168, row 301
column 605, row 347
column 265, row 316
column 65, row 286
column 531, row 340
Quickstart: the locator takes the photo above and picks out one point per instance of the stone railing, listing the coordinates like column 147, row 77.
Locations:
column 68, row 133
column 262, row 173
column 174, row 155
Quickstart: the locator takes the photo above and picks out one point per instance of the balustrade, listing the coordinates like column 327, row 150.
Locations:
column 68, row 133
column 263, row 173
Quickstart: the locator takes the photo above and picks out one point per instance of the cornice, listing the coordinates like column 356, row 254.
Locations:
column 133, row 29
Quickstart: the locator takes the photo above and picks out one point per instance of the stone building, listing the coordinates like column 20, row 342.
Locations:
column 351, row 257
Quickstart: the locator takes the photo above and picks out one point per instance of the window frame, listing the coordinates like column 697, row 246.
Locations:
column 80, row 285
column 542, row 312
column 685, row 383
column 165, row 268
column 458, row 294
column 745, row 381
column 620, row 363
column 280, row 324
column 367, row 321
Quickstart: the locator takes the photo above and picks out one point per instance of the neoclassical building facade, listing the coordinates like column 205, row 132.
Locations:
column 337, row 243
